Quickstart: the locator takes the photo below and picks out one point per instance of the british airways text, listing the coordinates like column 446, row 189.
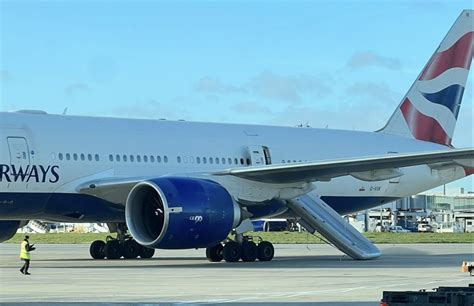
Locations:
column 29, row 173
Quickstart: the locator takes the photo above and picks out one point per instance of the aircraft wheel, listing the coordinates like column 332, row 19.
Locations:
column 249, row 251
column 131, row 249
column 146, row 252
column 113, row 249
column 231, row 251
column 265, row 251
column 214, row 254
column 97, row 249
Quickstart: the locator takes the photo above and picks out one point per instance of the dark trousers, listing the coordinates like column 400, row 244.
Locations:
column 26, row 266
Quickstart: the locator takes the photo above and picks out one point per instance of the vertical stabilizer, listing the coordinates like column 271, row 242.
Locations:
column 430, row 109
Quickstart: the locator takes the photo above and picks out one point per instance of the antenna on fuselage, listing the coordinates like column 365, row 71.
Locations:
column 65, row 111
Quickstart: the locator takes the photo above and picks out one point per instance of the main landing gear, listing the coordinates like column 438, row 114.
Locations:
column 113, row 248
column 243, row 248
column 122, row 246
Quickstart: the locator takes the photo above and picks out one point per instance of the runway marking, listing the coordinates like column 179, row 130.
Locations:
column 263, row 295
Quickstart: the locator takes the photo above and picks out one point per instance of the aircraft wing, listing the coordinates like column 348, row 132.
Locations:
column 366, row 168
column 372, row 168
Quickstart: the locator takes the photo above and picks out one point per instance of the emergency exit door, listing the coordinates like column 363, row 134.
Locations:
column 19, row 153
column 259, row 155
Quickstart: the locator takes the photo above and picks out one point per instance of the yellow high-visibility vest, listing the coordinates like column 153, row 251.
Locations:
column 24, row 253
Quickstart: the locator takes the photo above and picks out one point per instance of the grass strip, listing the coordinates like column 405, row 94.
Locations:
column 274, row 237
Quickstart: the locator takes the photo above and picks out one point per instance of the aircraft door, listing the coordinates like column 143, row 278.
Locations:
column 19, row 152
column 259, row 155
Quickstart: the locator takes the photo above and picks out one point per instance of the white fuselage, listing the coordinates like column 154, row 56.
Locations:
column 84, row 148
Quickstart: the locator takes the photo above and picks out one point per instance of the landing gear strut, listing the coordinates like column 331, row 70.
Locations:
column 242, row 248
column 122, row 246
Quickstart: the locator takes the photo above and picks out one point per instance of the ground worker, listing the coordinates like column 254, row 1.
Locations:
column 25, row 250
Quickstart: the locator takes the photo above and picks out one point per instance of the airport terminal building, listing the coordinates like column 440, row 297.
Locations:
column 445, row 213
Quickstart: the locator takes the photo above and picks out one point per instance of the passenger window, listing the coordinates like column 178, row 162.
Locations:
column 158, row 159
column 152, row 159
column 185, row 159
column 229, row 161
column 89, row 157
column 74, row 156
column 241, row 161
column 60, row 156
column 217, row 160
column 83, row 157
column 117, row 157
column 145, row 158
column 124, row 158
column 68, row 156
column 132, row 158
column 111, row 157
column 191, row 159
column 211, row 160
column 97, row 157
column 223, row 160
column 198, row 160
column 165, row 159
column 204, row 160
column 139, row 158
column 178, row 159
column 248, row 162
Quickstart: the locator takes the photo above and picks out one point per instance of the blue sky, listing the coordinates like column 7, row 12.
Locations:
column 341, row 64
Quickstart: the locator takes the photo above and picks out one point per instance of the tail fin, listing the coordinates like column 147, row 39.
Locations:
column 429, row 110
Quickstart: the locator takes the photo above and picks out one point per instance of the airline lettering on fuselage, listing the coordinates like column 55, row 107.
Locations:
column 29, row 173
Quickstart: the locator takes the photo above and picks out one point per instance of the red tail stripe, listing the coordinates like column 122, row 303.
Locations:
column 458, row 55
column 423, row 127
column 469, row 171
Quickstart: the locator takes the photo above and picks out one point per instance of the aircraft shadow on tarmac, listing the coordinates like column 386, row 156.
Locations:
column 397, row 260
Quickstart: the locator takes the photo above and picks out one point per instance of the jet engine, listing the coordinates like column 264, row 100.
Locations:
column 8, row 229
column 180, row 213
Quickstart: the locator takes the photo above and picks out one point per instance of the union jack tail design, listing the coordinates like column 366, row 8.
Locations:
column 430, row 108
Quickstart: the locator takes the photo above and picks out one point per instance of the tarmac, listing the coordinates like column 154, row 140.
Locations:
column 298, row 275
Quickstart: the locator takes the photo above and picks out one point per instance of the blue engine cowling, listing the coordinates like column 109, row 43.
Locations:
column 180, row 213
column 8, row 229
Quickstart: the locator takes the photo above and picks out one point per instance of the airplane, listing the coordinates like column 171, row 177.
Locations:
column 164, row 184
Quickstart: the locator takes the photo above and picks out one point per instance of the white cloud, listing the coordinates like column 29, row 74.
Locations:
column 287, row 88
column 269, row 85
column 370, row 59
column 210, row 85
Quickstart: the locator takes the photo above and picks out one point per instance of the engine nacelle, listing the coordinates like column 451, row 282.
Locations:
column 180, row 213
column 8, row 229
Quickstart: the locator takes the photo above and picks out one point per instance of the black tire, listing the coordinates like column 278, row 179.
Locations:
column 146, row 252
column 231, row 251
column 214, row 254
column 113, row 249
column 131, row 249
column 265, row 251
column 249, row 251
column 97, row 249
